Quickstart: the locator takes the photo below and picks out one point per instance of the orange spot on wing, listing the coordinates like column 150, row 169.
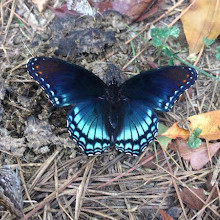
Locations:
column 36, row 66
column 40, row 72
column 184, row 80
column 187, row 75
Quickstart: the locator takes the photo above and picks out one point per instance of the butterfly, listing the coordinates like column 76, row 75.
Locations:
column 111, row 115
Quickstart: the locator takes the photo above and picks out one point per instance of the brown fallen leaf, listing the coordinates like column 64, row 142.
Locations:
column 62, row 11
column 197, row 157
column 165, row 216
column 202, row 20
column 208, row 122
column 176, row 132
column 41, row 4
column 152, row 164
column 136, row 10
column 191, row 200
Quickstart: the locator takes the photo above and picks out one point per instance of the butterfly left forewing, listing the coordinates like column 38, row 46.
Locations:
column 65, row 83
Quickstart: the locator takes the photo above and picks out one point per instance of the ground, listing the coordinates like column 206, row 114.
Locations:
column 56, row 177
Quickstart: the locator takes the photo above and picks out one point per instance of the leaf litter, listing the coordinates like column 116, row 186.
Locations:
column 57, row 179
column 135, row 10
column 201, row 20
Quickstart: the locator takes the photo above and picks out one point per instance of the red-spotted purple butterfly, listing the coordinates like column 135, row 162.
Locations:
column 105, row 115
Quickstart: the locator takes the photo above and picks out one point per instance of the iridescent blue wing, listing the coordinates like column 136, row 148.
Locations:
column 159, row 88
column 86, row 124
column 153, row 89
column 138, row 128
column 68, row 84
column 65, row 83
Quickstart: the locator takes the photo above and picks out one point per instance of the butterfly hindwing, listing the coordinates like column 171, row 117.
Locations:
column 159, row 88
column 86, row 125
column 65, row 83
column 139, row 128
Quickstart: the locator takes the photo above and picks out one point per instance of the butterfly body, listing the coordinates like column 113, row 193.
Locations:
column 113, row 110
column 105, row 115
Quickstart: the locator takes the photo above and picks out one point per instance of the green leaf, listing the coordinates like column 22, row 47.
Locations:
column 167, row 52
column 174, row 31
column 20, row 23
column 207, row 41
column 171, row 61
column 218, row 53
column 157, row 42
column 194, row 141
column 164, row 141
column 164, row 32
column 154, row 32
column 217, row 56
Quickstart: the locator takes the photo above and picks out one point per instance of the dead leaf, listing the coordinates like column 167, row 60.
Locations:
column 176, row 132
column 136, row 10
column 62, row 11
column 208, row 122
column 202, row 20
column 41, row 4
column 152, row 163
column 165, row 216
column 197, row 157
column 81, row 7
column 191, row 200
